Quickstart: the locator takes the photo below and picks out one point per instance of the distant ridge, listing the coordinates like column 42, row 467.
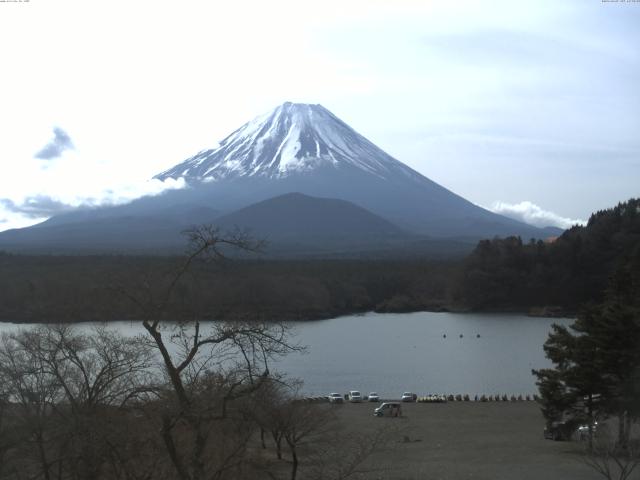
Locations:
column 302, row 217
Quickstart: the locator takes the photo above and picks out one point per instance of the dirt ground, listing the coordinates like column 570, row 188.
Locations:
column 466, row 440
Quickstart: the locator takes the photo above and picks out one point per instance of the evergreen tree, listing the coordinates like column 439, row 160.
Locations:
column 596, row 361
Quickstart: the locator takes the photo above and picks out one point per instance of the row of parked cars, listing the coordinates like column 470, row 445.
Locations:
column 354, row 396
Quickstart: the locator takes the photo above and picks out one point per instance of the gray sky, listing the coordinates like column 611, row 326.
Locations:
column 529, row 108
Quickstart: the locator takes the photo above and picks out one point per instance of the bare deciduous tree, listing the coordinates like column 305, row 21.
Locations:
column 208, row 366
column 64, row 388
column 609, row 458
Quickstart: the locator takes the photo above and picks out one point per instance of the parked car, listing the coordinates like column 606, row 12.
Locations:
column 388, row 409
column 408, row 397
column 355, row 396
column 560, row 430
column 583, row 431
column 568, row 430
column 373, row 397
column 557, row 431
column 335, row 398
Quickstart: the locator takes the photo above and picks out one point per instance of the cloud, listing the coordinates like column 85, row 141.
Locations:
column 532, row 214
column 36, row 206
column 61, row 142
column 32, row 209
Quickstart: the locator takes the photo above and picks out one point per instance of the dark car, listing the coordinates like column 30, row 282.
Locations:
column 559, row 431
column 570, row 429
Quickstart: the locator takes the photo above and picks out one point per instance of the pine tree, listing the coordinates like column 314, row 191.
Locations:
column 596, row 361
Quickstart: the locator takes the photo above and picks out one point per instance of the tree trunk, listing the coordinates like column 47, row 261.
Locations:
column 174, row 374
column 590, row 417
column 294, row 462
column 627, row 430
column 43, row 456
column 171, row 448
column 621, row 430
column 277, row 438
column 198, row 453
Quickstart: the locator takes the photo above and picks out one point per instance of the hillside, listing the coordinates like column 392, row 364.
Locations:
column 298, row 216
column 565, row 274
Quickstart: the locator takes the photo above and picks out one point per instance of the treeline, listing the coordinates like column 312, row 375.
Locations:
column 560, row 276
column 546, row 278
column 97, row 288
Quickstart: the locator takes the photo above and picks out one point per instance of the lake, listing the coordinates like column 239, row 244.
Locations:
column 392, row 353
column 423, row 352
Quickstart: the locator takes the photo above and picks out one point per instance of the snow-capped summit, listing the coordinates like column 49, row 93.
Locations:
column 293, row 138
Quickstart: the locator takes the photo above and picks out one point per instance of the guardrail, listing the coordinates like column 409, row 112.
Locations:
column 442, row 398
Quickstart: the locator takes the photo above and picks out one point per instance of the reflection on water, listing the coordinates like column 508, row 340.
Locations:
column 422, row 352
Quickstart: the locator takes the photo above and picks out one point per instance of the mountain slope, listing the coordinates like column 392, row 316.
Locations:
column 294, row 148
column 116, row 229
column 297, row 225
column 299, row 217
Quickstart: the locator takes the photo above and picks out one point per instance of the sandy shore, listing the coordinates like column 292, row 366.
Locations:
column 466, row 440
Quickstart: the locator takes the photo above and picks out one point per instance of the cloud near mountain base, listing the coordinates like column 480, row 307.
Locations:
column 529, row 212
column 32, row 209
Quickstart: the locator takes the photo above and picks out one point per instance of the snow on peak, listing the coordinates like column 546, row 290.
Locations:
column 293, row 138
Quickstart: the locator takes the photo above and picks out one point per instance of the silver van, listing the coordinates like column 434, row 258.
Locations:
column 388, row 409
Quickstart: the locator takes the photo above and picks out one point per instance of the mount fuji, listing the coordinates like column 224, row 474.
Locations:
column 306, row 148
column 295, row 148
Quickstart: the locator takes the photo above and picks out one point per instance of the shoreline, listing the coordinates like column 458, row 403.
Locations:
column 534, row 312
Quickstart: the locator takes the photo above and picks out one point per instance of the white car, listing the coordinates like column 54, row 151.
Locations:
column 408, row 397
column 373, row 397
column 335, row 398
column 354, row 396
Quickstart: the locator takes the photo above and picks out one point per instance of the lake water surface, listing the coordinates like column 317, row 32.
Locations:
column 423, row 352
column 392, row 353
